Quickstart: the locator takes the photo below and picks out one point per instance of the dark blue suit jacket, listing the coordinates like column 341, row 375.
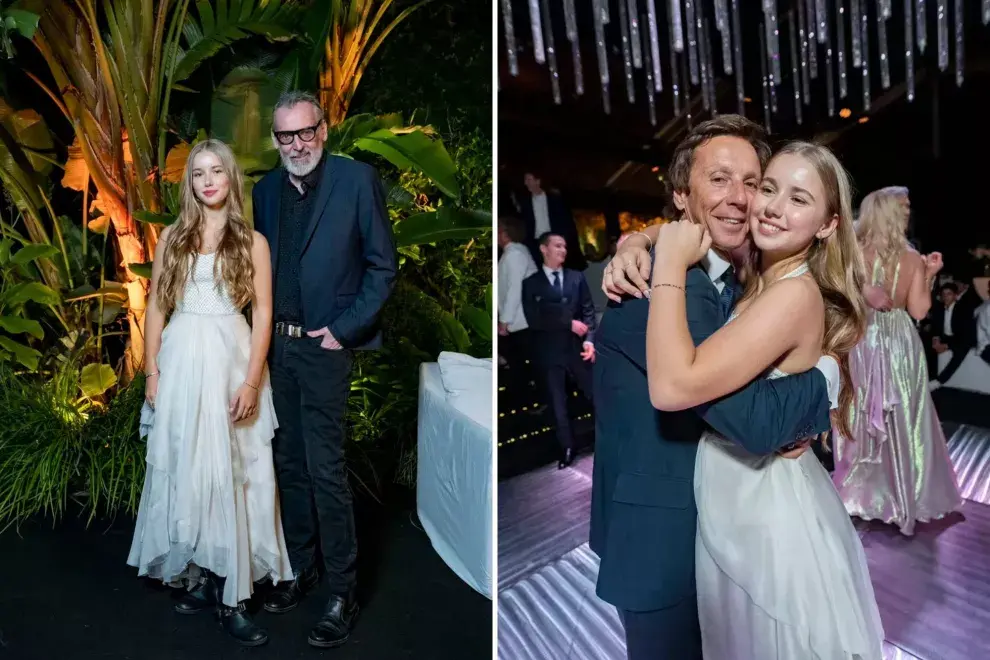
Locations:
column 348, row 259
column 643, row 513
column 549, row 315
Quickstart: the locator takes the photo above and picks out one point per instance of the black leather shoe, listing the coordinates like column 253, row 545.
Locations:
column 567, row 459
column 200, row 598
column 285, row 599
column 334, row 627
column 239, row 625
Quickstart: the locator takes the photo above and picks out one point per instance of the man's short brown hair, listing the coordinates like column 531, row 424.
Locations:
column 514, row 227
column 679, row 172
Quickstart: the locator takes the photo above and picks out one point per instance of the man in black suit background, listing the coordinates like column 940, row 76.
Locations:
column 545, row 212
column 953, row 329
column 561, row 317
column 334, row 264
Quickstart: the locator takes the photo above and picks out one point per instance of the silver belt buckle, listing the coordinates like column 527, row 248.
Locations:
column 288, row 330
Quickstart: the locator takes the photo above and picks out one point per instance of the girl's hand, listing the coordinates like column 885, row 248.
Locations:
column 245, row 403
column 628, row 272
column 682, row 244
column 933, row 264
column 877, row 298
column 151, row 390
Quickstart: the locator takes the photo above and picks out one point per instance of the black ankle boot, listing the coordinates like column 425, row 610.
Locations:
column 286, row 598
column 334, row 627
column 239, row 625
column 203, row 596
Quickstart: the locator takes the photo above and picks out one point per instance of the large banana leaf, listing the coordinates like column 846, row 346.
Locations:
column 25, row 355
column 341, row 138
column 223, row 22
column 415, row 150
column 447, row 222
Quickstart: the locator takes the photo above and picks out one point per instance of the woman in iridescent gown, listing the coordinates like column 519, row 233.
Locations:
column 896, row 467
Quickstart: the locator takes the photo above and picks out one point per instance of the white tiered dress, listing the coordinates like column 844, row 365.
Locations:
column 210, row 499
column 781, row 572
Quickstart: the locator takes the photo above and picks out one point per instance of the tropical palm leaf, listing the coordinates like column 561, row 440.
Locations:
column 226, row 22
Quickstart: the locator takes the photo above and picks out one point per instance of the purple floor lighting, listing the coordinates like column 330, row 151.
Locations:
column 933, row 589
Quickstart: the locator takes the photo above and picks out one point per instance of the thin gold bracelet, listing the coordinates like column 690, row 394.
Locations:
column 672, row 286
column 151, row 375
column 643, row 233
column 251, row 386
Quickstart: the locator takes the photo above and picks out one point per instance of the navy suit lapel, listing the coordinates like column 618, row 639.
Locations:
column 322, row 197
column 723, row 316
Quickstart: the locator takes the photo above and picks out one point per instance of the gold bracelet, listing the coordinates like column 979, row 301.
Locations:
column 251, row 386
column 151, row 375
column 672, row 286
column 643, row 233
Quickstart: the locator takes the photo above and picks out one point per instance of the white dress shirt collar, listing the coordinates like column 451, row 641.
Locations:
column 714, row 265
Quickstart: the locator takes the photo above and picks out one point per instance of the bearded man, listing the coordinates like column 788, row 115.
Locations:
column 334, row 264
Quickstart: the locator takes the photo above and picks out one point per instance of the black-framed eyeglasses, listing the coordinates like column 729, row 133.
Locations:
column 305, row 134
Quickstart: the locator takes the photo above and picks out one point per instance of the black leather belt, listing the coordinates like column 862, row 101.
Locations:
column 289, row 330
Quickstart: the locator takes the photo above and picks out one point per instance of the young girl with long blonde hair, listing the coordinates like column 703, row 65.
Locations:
column 209, row 515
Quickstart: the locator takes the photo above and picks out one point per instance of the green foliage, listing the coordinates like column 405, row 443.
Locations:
column 68, row 428
column 17, row 293
column 50, row 451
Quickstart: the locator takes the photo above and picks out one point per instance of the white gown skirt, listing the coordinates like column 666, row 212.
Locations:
column 781, row 571
column 210, row 499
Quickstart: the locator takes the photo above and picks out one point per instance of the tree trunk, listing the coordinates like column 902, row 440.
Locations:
column 131, row 246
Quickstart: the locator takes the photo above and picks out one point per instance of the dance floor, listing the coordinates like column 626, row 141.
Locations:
column 933, row 590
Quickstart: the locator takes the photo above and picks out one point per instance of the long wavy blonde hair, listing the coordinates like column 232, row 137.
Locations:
column 233, row 266
column 836, row 263
column 883, row 220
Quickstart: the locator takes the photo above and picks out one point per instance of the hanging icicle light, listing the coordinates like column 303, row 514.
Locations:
column 909, row 47
column 508, row 29
column 816, row 46
column 652, row 26
column 570, row 24
column 551, row 52
column 864, row 18
column 737, row 57
column 840, row 36
column 957, row 16
column 627, row 63
column 881, row 24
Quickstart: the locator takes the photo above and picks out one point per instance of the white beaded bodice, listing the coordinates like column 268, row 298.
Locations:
column 202, row 294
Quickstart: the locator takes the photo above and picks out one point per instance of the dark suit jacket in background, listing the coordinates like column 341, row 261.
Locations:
column 561, row 222
column 963, row 325
column 643, row 512
column 348, row 259
column 549, row 316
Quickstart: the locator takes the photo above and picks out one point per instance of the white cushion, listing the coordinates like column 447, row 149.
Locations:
column 468, row 383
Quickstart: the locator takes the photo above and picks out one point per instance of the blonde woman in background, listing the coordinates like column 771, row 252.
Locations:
column 894, row 464
column 209, row 518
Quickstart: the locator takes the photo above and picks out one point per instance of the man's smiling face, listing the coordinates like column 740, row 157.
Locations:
column 725, row 173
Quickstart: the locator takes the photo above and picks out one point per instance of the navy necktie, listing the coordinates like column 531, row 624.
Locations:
column 728, row 295
column 556, row 283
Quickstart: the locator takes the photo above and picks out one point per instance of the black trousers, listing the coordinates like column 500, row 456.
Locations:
column 555, row 380
column 310, row 387
column 959, row 353
column 668, row 634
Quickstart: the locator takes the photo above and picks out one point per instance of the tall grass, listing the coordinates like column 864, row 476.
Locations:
column 51, row 452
